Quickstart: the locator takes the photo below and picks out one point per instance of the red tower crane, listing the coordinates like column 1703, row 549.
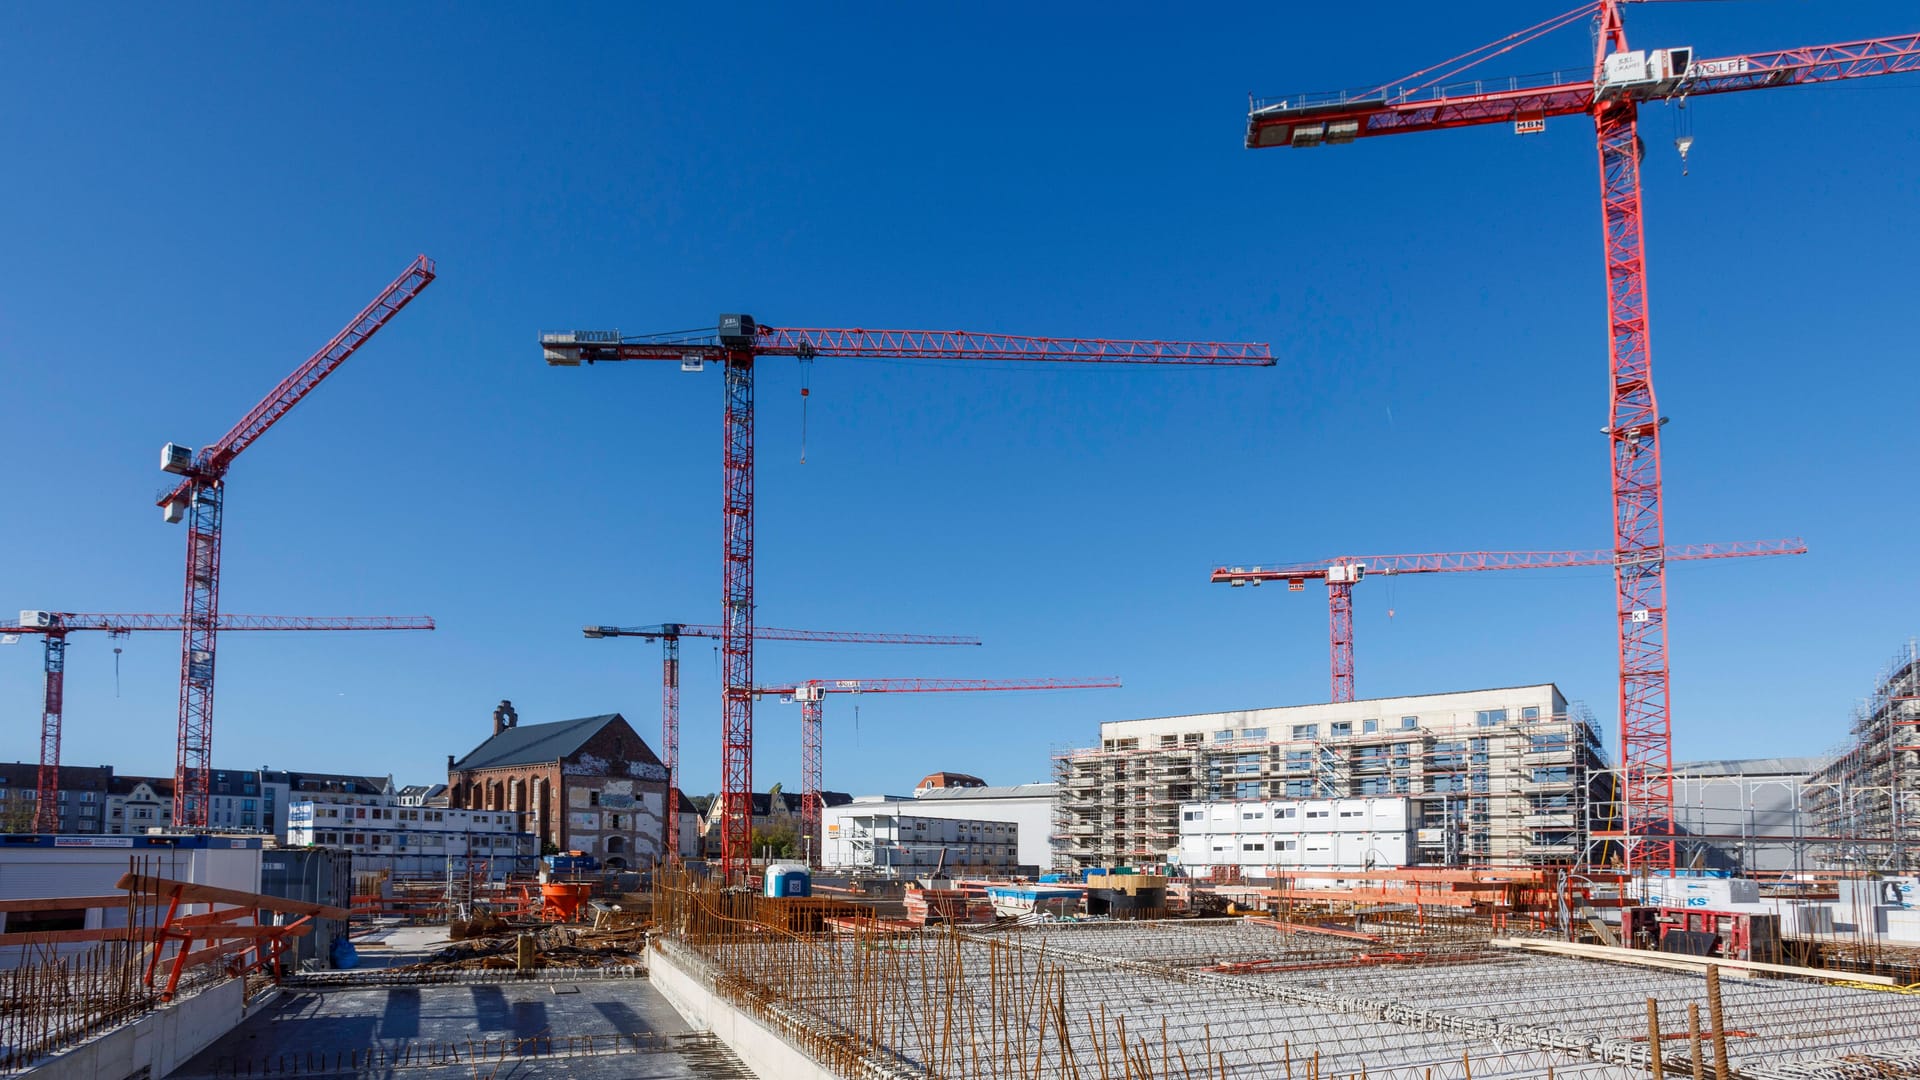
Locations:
column 812, row 695
column 1344, row 572
column 1611, row 92
column 669, row 635
column 54, row 626
column 198, row 497
column 738, row 342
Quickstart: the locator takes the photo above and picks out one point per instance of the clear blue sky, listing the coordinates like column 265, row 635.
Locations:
column 197, row 196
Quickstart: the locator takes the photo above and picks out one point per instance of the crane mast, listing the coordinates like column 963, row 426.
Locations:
column 812, row 696
column 736, row 343
column 199, row 496
column 669, row 635
column 1610, row 92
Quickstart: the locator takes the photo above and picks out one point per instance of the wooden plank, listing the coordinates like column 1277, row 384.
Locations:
column 146, row 934
column 1696, row 963
column 209, row 894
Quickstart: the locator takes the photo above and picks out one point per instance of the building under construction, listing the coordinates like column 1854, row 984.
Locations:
column 1866, row 801
column 1490, row 776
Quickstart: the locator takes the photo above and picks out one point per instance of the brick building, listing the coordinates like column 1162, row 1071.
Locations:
column 589, row 785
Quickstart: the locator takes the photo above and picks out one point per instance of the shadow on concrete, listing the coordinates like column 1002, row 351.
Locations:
column 521, row 1019
column 623, row 1018
column 400, row 1019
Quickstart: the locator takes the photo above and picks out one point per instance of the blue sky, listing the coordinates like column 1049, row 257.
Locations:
column 199, row 196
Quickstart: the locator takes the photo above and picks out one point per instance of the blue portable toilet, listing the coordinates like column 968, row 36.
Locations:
column 789, row 879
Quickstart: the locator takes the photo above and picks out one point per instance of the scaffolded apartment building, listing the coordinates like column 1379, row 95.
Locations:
column 1865, row 804
column 1501, row 776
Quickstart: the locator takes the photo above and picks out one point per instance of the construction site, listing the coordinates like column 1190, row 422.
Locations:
column 1468, row 872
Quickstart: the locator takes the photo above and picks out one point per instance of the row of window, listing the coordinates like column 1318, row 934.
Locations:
column 386, row 813
column 401, row 840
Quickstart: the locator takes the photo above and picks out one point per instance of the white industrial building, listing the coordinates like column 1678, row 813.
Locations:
column 1026, row 807
column 415, row 841
column 1262, row 838
column 886, row 836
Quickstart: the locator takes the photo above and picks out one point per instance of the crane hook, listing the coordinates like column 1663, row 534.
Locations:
column 1683, row 133
column 806, row 378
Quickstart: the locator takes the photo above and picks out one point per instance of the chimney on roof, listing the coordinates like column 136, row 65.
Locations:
column 449, row 764
column 504, row 717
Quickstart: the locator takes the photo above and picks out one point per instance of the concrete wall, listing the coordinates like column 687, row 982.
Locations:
column 759, row 1047
column 161, row 1041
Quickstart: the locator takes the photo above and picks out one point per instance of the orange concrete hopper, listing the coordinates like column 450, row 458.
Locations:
column 561, row 901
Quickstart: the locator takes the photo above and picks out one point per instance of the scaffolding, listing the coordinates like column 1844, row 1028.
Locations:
column 1495, row 789
column 1867, row 800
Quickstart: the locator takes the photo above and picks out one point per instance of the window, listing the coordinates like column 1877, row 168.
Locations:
column 1316, row 813
column 1409, row 723
column 1368, row 727
column 1299, row 789
column 1490, row 717
column 21, row 922
column 1350, row 812
column 1254, row 733
column 593, row 798
column 1288, row 845
column 1541, row 744
column 1342, row 727
column 1192, row 815
column 1253, row 815
column 1252, row 845
column 1191, row 738
column 1531, row 712
column 616, row 821
column 1246, row 789
column 1284, row 812
column 1169, row 740
column 1551, row 776
column 1223, row 736
column 1306, row 731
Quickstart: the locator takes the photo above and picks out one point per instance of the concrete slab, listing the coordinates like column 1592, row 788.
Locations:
column 611, row 1030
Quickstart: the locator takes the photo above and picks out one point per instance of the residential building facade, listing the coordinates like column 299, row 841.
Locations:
column 84, row 790
column 1499, row 776
column 590, row 785
column 415, row 841
column 771, row 810
column 137, row 805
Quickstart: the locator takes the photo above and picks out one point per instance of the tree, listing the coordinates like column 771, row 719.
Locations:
column 782, row 839
column 17, row 814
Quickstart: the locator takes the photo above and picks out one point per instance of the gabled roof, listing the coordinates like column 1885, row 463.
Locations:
column 160, row 785
column 537, row 744
column 762, row 803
